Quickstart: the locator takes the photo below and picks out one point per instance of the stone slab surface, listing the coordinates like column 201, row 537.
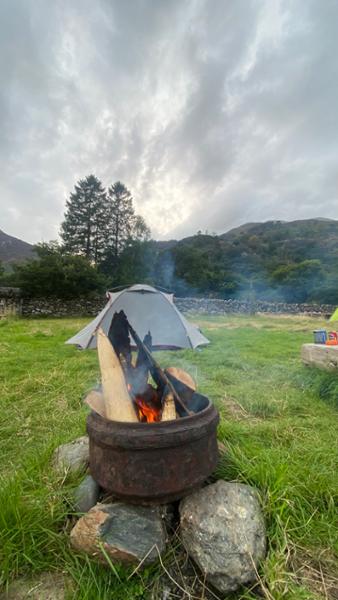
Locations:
column 320, row 355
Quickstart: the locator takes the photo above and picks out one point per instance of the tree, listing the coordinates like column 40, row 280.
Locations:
column 125, row 230
column 299, row 281
column 85, row 226
column 121, row 218
column 56, row 273
column 140, row 229
column 135, row 264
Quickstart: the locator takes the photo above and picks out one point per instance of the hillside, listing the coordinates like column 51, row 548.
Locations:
column 293, row 261
column 13, row 250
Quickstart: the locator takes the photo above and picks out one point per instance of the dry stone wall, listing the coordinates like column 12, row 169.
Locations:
column 13, row 303
column 213, row 306
column 10, row 301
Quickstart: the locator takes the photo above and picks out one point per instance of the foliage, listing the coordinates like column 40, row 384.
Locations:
column 56, row 273
column 277, row 261
column 280, row 436
column 103, row 227
column 84, row 229
column 134, row 264
column 126, row 241
column 124, row 225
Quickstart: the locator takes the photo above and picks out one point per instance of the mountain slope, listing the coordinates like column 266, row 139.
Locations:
column 14, row 250
column 295, row 261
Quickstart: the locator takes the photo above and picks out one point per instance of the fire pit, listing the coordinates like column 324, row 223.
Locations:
column 153, row 462
column 150, row 441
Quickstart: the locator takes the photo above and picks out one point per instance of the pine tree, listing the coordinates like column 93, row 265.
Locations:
column 86, row 222
column 121, row 217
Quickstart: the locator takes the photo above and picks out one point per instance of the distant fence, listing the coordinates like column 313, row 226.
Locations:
column 12, row 303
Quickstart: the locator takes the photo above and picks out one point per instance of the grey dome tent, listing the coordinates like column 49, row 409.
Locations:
column 147, row 309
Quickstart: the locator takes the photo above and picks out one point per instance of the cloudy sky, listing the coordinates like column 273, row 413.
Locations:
column 212, row 112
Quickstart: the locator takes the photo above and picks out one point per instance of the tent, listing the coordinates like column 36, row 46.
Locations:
column 147, row 309
column 334, row 316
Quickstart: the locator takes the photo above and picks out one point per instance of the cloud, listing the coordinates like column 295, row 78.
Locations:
column 212, row 114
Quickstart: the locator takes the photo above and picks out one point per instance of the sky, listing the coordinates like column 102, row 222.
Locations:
column 212, row 112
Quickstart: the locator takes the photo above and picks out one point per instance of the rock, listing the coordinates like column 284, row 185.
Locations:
column 222, row 528
column 86, row 495
column 72, row 456
column 127, row 533
column 45, row 586
column 320, row 355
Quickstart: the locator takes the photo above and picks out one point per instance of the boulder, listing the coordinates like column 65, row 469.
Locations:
column 86, row 494
column 127, row 534
column 320, row 355
column 223, row 530
column 73, row 456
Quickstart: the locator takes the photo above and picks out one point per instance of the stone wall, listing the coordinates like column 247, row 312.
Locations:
column 10, row 301
column 213, row 306
column 55, row 307
column 13, row 303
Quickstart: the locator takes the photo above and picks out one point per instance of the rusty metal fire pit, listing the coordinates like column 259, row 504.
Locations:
column 154, row 462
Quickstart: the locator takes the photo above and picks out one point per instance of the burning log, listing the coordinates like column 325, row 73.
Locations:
column 157, row 373
column 118, row 404
column 138, row 375
column 169, row 408
column 182, row 376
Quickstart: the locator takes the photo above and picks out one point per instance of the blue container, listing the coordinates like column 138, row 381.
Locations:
column 320, row 336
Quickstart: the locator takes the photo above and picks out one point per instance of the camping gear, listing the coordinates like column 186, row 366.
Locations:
column 334, row 316
column 147, row 309
column 320, row 336
column 154, row 463
column 332, row 339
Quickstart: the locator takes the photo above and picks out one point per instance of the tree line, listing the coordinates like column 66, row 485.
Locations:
column 105, row 244
column 102, row 244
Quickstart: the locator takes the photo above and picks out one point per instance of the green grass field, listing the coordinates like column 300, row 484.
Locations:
column 279, row 424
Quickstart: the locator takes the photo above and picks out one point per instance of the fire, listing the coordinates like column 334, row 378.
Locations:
column 146, row 412
column 148, row 405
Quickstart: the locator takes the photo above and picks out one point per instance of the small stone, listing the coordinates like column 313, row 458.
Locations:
column 86, row 495
column 73, row 456
column 223, row 530
column 44, row 586
column 127, row 534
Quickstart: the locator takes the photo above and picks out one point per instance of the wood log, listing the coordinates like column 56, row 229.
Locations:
column 95, row 401
column 118, row 403
column 169, row 409
column 182, row 376
column 157, row 373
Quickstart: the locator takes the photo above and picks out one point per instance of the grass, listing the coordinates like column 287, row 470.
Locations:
column 279, row 424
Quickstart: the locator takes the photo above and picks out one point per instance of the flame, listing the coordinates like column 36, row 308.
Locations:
column 147, row 413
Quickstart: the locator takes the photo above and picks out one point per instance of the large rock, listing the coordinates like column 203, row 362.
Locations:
column 73, row 456
column 222, row 528
column 320, row 355
column 127, row 533
column 86, row 494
